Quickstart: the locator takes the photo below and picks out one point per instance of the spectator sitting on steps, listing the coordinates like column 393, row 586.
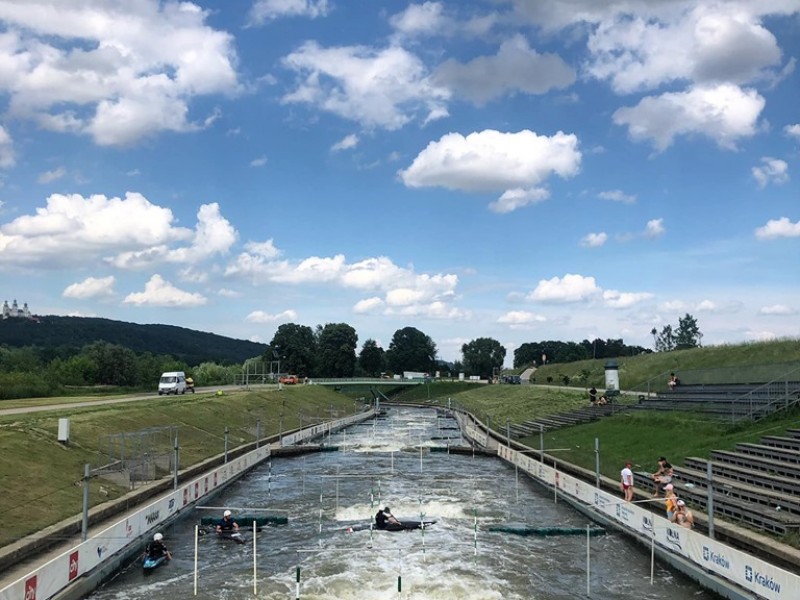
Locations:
column 663, row 475
column 674, row 381
column 683, row 516
column 602, row 400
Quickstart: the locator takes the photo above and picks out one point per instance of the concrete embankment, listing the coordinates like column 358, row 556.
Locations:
column 57, row 563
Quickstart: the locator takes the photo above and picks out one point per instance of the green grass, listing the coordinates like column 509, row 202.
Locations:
column 635, row 372
column 39, row 476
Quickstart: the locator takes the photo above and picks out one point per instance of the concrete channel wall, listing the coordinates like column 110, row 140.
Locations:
column 78, row 570
column 728, row 571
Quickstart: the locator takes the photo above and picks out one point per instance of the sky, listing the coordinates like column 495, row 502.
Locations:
column 515, row 169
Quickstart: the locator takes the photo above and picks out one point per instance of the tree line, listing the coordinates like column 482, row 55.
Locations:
column 327, row 351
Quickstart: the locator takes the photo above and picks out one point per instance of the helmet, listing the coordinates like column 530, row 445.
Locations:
column 158, row 537
column 227, row 513
column 387, row 509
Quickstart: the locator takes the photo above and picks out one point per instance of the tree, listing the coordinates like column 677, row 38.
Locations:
column 688, row 333
column 296, row 348
column 666, row 340
column 654, row 333
column 483, row 356
column 372, row 358
column 411, row 350
column 336, row 350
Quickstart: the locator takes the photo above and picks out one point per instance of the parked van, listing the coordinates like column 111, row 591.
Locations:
column 172, row 382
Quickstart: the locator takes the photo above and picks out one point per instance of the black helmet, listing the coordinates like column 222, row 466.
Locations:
column 387, row 509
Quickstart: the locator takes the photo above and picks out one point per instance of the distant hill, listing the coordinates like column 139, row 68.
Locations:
column 193, row 347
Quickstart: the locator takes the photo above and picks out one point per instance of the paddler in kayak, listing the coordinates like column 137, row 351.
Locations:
column 157, row 548
column 226, row 524
column 385, row 517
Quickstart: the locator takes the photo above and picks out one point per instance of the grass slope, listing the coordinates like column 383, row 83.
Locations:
column 40, row 477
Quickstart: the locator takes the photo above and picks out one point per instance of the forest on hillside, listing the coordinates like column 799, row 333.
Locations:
column 66, row 336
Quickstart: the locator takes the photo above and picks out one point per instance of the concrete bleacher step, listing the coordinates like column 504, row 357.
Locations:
column 766, row 465
column 760, row 479
column 771, row 452
column 793, row 433
column 777, row 441
column 757, row 515
column 724, row 486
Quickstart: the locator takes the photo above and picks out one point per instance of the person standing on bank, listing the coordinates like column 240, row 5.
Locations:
column 627, row 481
column 593, row 395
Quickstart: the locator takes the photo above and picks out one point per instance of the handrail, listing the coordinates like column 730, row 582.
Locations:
column 784, row 399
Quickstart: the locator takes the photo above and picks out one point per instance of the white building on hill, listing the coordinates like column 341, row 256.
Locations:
column 15, row 312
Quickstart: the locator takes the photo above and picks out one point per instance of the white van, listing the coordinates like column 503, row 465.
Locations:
column 173, row 382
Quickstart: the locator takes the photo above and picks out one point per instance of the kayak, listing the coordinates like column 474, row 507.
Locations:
column 404, row 525
column 234, row 536
column 150, row 563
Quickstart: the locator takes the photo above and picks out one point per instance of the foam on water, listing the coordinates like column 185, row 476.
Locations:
column 322, row 493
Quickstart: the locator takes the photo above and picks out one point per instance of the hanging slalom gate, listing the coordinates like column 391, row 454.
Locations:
column 255, row 518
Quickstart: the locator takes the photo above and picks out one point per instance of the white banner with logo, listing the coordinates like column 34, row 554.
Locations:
column 56, row 574
column 751, row 573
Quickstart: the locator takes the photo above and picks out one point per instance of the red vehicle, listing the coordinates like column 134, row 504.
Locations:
column 288, row 379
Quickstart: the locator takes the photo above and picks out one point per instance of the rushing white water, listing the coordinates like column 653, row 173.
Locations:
column 380, row 463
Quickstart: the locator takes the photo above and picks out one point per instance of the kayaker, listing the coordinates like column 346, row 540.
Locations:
column 226, row 524
column 157, row 548
column 385, row 517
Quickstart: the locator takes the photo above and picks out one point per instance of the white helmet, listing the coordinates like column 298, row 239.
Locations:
column 158, row 537
column 227, row 513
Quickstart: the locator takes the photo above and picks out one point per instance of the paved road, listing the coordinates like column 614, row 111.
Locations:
column 112, row 400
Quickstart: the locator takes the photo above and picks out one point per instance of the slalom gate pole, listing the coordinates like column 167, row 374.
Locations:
column 516, row 471
column 420, row 456
column 304, row 475
column 269, row 480
column 297, row 584
column 391, row 470
column 336, row 505
column 555, row 481
column 652, row 555
column 588, row 564
column 399, row 572
column 196, row 540
column 475, row 528
column 320, row 510
column 255, row 564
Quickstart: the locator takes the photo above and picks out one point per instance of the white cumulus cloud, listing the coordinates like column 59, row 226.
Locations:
column 72, row 228
column 793, row 130
column 515, row 68
column 346, row 143
column 368, row 305
column 771, row 170
column 777, row 309
column 51, row 176
column 423, row 19
column 259, row 316
column 270, row 10
column 570, row 288
column 594, row 240
column 616, row 299
column 778, row 228
column 491, row 160
column 91, row 287
column 378, row 88
column 116, row 71
column 158, row 292
column 511, row 200
column 520, row 318
column 724, row 113
column 617, row 196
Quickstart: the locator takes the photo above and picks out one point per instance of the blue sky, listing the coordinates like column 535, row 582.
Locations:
column 513, row 169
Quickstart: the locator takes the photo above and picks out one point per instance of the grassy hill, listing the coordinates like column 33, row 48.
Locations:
column 188, row 345
column 756, row 362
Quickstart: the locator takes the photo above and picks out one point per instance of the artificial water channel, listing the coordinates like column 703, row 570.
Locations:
column 380, row 462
